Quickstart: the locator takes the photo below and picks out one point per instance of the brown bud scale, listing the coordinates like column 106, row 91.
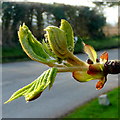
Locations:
column 112, row 67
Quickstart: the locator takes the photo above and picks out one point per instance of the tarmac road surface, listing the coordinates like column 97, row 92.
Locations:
column 65, row 95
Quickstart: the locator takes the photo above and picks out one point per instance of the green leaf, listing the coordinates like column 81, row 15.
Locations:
column 47, row 49
column 31, row 46
column 91, row 52
column 34, row 89
column 66, row 27
column 57, row 41
column 20, row 92
column 52, row 78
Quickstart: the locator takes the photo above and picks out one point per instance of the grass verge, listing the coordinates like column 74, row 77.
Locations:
column 92, row 109
column 106, row 43
column 13, row 54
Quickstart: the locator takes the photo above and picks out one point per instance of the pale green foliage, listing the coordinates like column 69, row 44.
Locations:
column 91, row 52
column 34, row 89
column 66, row 27
column 31, row 46
column 61, row 40
column 57, row 41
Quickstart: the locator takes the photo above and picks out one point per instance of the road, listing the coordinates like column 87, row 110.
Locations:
column 65, row 95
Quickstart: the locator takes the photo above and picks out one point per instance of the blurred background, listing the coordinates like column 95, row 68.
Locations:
column 96, row 23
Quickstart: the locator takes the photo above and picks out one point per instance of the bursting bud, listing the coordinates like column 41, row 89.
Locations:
column 61, row 39
column 57, row 41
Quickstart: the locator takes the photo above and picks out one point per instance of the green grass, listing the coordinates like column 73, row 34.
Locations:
column 92, row 109
column 13, row 54
column 106, row 43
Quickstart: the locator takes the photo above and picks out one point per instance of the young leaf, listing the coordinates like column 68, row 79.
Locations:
column 66, row 27
column 31, row 46
column 57, row 41
column 47, row 49
column 91, row 52
column 47, row 78
column 52, row 77
column 34, row 89
column 20, row 92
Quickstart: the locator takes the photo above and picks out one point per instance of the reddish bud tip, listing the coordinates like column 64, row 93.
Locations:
column 99, row 85
column 104, row 56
